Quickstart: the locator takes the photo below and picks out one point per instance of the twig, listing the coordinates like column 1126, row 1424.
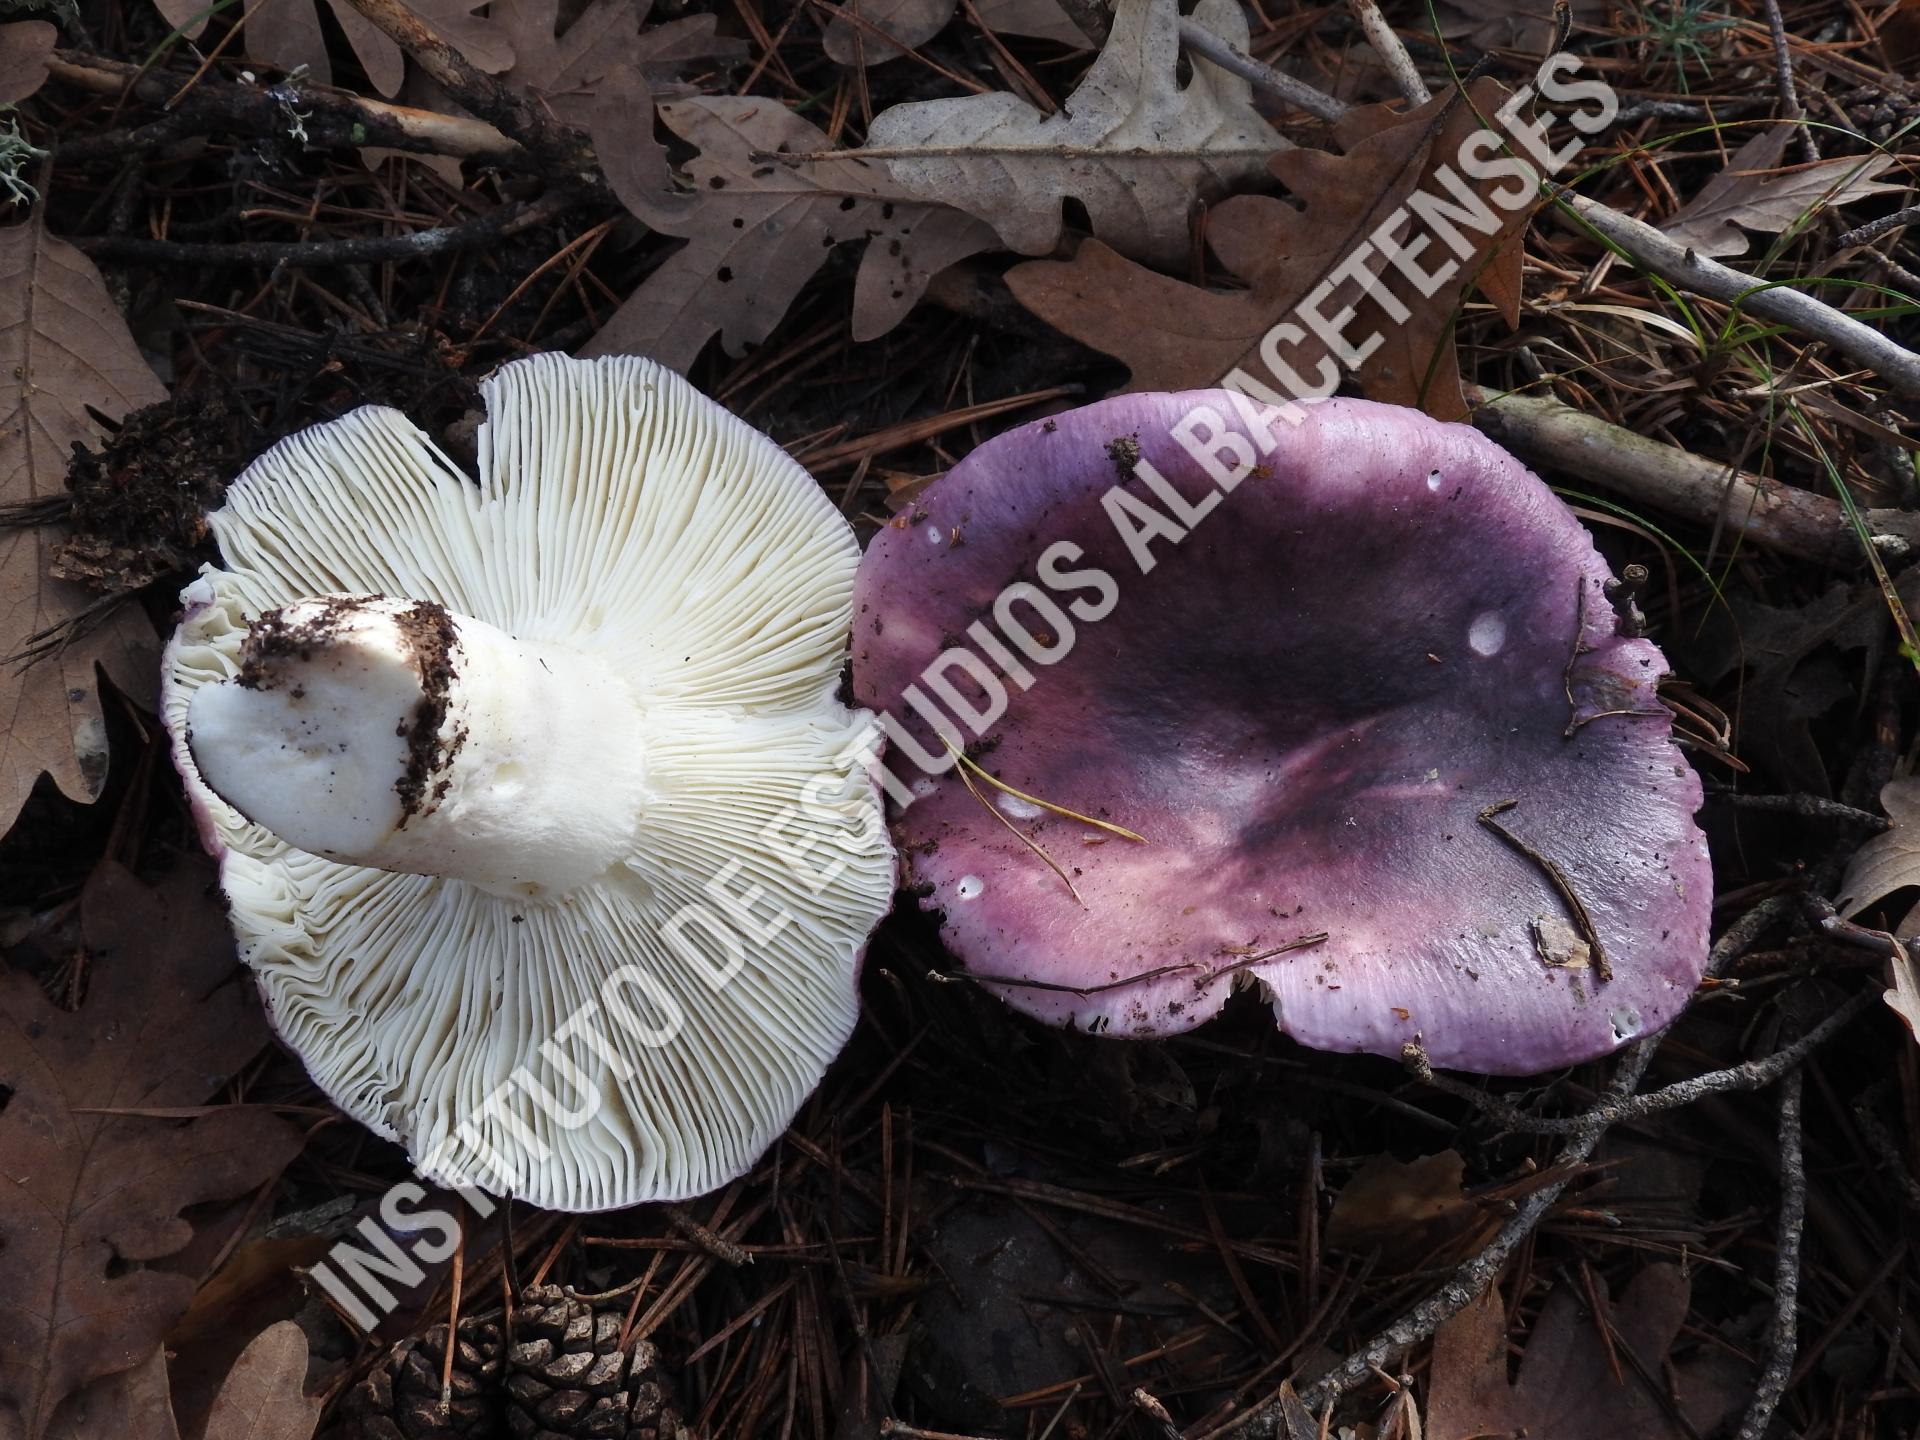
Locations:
column 1156, row 1414
column 722, row 1249
column 1874, row 229
column 453, row 1325
column 331, row 117
column 1639, row 110
column 1783, row 79
column 1783, row 1342
column 564, row 152
column 1765, row 512
column 1386, row 44
column 1803, row 807
column 358, row 249
column 1886, row 1151
column 1837, row 927
column 1297, row 93
column 1180, row 967
column 1576, row 907
column 1467, row 1283
column 1646, row 246
column 1745, row 933
column 1786, row 305
column 605, row 1297
column 1749, row 1075
column 1473, row 1277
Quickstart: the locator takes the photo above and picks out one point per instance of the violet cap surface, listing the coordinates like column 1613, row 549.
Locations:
column 1360, row 681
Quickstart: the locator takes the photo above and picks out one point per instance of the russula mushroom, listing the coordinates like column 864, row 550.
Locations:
column 538, row 815
column 1351, row 674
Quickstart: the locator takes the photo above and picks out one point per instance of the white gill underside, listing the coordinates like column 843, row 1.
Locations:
column 441, row 1012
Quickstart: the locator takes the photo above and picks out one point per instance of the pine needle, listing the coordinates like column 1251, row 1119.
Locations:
column 998, row 784
column 1017, row 833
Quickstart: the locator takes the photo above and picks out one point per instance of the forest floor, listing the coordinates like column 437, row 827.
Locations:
column 232, row 222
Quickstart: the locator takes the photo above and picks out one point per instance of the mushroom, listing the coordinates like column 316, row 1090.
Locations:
column 1352, row 678
column 539, row 816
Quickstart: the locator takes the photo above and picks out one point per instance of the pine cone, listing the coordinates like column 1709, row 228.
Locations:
column 569, row 1380
column 564, row 1378
column 1878, row 114
column 400, row 1398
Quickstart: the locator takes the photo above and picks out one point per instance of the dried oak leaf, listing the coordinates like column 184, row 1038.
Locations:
column 567, row 69
column 24, row 48
column 1798, row 668
column 1523, row 25
column 65, row 356
column 256, row 1287
column 757, row 229
column 1041, row 19
column 1412, row 1214
column 264, row 1397
column 1888, row 863
column 908, row 23
column 287, row 35
column 134, row 1404
column 1899, row 36
column 914, row 22
column 1752, row 194
column 1576, row 1383
column 1131, row 143
column 86, row 1197
column 1177, row 336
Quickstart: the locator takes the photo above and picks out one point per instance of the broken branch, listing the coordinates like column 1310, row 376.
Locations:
column 1659, row 254
column 1766, row 512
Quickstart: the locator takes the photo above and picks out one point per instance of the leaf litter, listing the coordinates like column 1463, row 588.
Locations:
column 977, row 1227
column 1754, row 193
column 1174, row 335
column 66, row 356
column 1134, row 145
column 95, row 1193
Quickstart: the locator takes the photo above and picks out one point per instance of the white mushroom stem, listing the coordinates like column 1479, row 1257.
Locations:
column 390, row 733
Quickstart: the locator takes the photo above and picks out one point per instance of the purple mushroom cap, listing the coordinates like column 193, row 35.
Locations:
column 1350, row 672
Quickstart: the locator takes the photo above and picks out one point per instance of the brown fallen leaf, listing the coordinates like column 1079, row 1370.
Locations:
column 756, row 229
column 1041, row 19
column 1889, row 861
column 563, row 70
column 910, row 23
column 1177, row 336
column 566, row 69
column 1523, row 25
column 287, row 34
column 1569, row 1386
column 257, row 1287
column 64, row 352
column 131, row 1405
column 1899, row 36
column 1751, row 194
column 1131, row 143
column 86, row 1198
column 1412, row 1214
column 24, row 48
column 264, row 1398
